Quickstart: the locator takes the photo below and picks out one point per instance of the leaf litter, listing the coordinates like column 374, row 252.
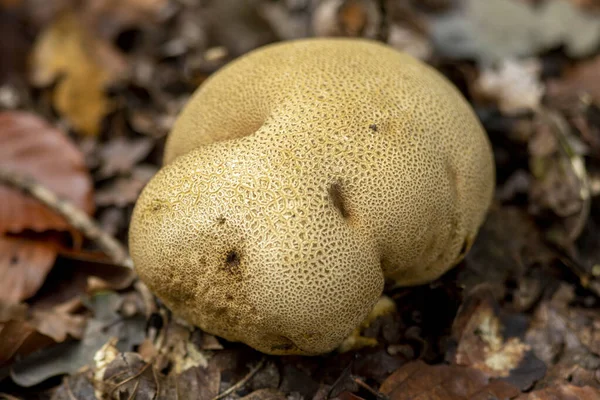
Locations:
column 518, row 319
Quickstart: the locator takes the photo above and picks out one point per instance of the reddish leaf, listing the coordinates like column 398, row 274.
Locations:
column 419, row 380
column 30, row 146
column 24, row 266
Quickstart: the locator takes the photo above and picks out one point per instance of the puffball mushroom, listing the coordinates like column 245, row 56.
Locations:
column 301, row 176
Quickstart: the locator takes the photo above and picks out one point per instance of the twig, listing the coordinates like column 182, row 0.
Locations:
column 243, row 381
column 132, row 377
column 74, row 216
column 368, row 388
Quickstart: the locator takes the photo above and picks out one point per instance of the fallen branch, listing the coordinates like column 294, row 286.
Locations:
column 74, row 216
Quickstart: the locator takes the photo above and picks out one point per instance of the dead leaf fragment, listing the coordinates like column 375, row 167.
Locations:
column 481, row 344
column 23, row 331
column 515, row 85
column 29, row 146
column 439, row 382
column 85, row 65
column 583, row 80
column 24, row 266
column 563, row 392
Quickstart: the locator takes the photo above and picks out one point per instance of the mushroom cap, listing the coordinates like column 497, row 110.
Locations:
column 297, row 179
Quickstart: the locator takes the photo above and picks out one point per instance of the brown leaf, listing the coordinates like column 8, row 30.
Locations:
column 566, row 338
column 24, row 266
column 481, row 345
column 563, row 392
column 23, row 331
column 128, row 377
column 440, row 382
column 86, row 66
column 30, row 146
column 582, row 80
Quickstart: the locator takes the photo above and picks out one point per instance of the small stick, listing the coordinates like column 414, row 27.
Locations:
column 74, row 216
column 368, row 388
column 243, row 381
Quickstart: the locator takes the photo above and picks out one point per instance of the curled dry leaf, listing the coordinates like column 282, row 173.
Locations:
column 23, row 331
column 86, row 66
column 439, row 382
column 29, row 147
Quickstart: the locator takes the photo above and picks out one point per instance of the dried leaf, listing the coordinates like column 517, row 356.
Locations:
column 24, row 331
column 514, row 85
column 68, row 357
column 563, row 392
column 128, row 377
column 481, row 345
column 566, row 337
column 29, row 146
column 86, row 66
column 440, row 382
column 583, row 80
column 24, row 266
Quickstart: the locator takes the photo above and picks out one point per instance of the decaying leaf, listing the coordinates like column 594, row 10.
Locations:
column 580, row 82
column 29, row 146
column 24, row 330
column 69, row 357
column 483, row 345
column 439, row 382
column 562, row 392
column 85, row 66
column 24, row 266
column 566, row 337
column 515, row 85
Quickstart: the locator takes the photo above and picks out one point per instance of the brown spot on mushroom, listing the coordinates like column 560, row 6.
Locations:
column 337, row 199
column 373, row 127
column 232, row 260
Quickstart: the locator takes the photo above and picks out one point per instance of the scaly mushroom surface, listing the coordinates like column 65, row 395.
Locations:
column 297, row 179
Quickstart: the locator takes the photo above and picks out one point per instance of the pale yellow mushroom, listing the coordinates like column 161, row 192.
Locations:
column 297, row 179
